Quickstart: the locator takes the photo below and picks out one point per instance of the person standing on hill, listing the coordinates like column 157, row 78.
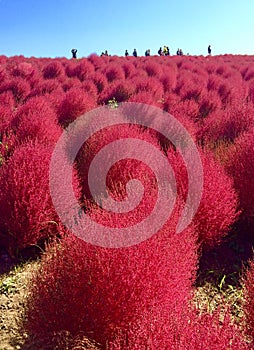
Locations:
column 126, row 53
column 167, row 53
column 160, row 51
column 74, row 53
column 209, row 50
column 135, row 54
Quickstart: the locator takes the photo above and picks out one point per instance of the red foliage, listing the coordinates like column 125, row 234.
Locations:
column 75, row 103
column 169, row 81
column 97, row 61
column 26, row 209
column 218, row 206
column 240, row 166
column 44, row 87
column 114, row 72
column 84, row 70
column 24, row 70
column 104, row 137
column 121, row 91
column 19, row 87
column 100, row 81
column 153, row 69
column 5, row 118
column 53, row 70
column 227, row 125
column 146, row 97
column 91, row 88
column 36, row 120
column 104, row 290
column 165, row 330
column 129, row 69
column 150, row 85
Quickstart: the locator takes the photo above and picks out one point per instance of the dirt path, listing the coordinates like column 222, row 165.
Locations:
column 13, row 293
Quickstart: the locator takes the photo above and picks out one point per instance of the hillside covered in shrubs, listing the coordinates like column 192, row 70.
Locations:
column 140, row 296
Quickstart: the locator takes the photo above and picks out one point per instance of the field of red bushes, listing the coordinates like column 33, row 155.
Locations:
column 136, row 297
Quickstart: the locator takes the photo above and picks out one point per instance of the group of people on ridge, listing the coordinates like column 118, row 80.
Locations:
column 161, row 52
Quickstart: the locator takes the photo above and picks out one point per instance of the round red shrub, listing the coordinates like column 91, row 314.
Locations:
column 151, row 85
column 240, row 166
column 43, row 87
column 36, row 120
column 114, row 72
column 121, row 91
column 5, row 118
column 26, row 208
column 24, row 70
column 104, row 290
column 53, row 70
column 129, row 69
column 185, row 330
column 19, row 87
column 84, row 69
column 217, row 210
column 153, row 69
column 75, row 103
column 100, row 81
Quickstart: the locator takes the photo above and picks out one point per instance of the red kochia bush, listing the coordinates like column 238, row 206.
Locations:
column 24, row 70
column 146, row 97
column 187, row 330
column 151, row 85
column 18, row 86
column 153, row 69
column 7, row 99
column 99, row 291
column 114, row 72
column 36, row 120
column 5, row 118
column 84, row 70
column 74, row 104
column 43, row 87
column 25, row 202
column 104, row 137
column 53, row 70
column 121, row 91
column 240, row 166
column 100, row 81
column 218, row 206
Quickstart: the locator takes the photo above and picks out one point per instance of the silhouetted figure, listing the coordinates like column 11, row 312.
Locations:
column 160, row 51
column 178, row 52
column 147, row 53
column 167, row 52
column 135, row 54
column 181, row 52
column 74, row 53
column 126, row 53
column 209, row 50
column 106, row 53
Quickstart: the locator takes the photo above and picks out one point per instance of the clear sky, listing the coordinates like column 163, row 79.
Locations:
column 51, row 28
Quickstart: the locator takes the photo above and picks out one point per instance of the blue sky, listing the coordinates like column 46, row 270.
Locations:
column 52, row 28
